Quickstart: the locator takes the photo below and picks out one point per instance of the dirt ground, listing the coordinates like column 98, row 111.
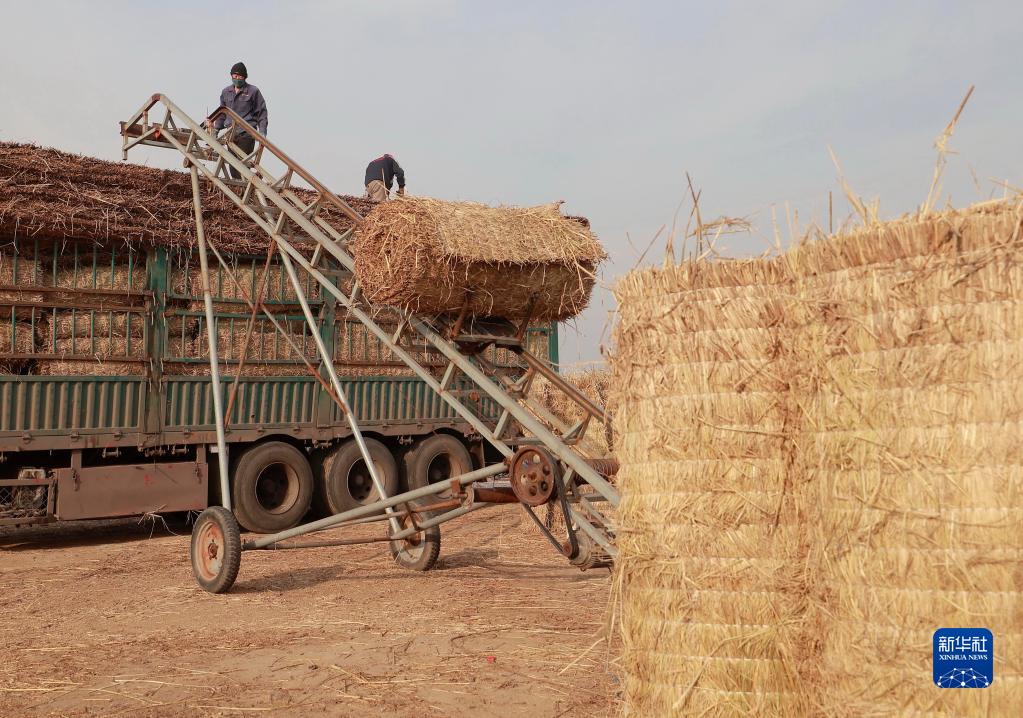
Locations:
column 106, row 620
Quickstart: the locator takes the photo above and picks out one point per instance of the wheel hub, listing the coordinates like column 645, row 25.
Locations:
column 210, row 555
column 534, row 474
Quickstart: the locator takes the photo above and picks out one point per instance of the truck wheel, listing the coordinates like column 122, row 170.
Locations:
column 216, row 549
column 347, row 483
column 272, row 487
column 436, row 459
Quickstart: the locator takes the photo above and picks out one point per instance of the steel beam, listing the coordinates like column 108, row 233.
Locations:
column 211, row 334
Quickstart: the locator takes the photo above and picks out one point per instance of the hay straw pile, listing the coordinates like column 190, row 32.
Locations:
column 429, row 256
column 821, row 465
column 16, row 337
column 711, row 590
column 105, row 338
column 912, row 445
column 186, row 280
column 49, row 193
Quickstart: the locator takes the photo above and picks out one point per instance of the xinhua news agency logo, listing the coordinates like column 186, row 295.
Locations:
column 963, row 657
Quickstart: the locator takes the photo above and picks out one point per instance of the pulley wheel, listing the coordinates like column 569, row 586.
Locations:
column 534, row 474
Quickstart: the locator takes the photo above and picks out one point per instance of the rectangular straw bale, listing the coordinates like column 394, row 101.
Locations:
column 230, row 369
column 59, row 367
column 102, row 348
column 114, row 273
column 18, row 270
column 85, row 323
column 186, row 280
column 712, row 591
column 16, row 337
column 265, row 342
column 14, row 275
column 14, row 366
column 431, row 257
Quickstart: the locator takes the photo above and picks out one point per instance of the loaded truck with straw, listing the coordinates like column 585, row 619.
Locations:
column 190, row 341
column 104, row 363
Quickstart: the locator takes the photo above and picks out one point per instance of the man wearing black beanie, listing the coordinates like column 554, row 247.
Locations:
column 247, row 101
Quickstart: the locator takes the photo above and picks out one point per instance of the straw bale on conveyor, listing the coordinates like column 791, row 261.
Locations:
column 431, row 256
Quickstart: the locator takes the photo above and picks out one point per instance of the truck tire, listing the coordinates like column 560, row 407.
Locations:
column 347, row 483
column 272, row 487
column 436, row 459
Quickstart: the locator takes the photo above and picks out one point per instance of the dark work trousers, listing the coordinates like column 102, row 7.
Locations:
column 247, row 143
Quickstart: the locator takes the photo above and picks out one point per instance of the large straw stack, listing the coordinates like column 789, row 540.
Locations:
column 712, row 591
column 913, row 443
column 434, row 257
column 821, row 466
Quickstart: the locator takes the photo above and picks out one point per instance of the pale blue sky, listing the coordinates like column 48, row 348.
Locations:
column 603, row 104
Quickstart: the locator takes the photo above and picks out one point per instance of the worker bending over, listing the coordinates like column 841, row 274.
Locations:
column 380, row 174
column 247, row 101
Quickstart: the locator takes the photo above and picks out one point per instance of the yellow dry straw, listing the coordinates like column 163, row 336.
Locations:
column 821, row 466
column 429, row 256
column 186, row 280
column 102, row 348
column 711, row 588
column 16, row 337
column 24, row 272
column 85, row 323
column 912, row 446
column 120, row 277
column 53, row 367
column 265, row 342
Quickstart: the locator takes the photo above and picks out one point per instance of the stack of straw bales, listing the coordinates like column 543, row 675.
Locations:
column 186, row 280
column 16, row 334
column 821, row 466
column 265, row 350
column 108, row 337
column 16, row 337
column 112, row 273
column 431, row 256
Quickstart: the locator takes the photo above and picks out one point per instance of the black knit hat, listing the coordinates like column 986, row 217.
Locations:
column 238, row 68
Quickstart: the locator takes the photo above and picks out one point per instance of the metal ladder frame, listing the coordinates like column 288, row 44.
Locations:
column 273, row 204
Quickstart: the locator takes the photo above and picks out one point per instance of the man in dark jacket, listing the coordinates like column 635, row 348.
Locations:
column 380, row 174
column 247, row 101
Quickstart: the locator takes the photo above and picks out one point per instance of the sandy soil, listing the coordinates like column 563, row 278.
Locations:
column 106, row 620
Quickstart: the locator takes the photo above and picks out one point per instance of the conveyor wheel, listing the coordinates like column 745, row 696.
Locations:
column 216, row 549
column 419, row 551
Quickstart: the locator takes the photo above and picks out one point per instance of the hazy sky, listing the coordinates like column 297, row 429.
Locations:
column 603, row 104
